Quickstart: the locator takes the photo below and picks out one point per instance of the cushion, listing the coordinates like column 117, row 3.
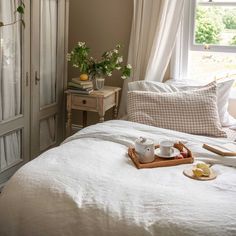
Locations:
column 223, row 91
column 192, row 112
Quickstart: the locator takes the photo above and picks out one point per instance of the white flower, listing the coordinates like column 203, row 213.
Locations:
column 109, row 54
column 118, row 67
column 115, row 51
column 68, row 57
column 75, row 65
column 119, row 59
column 129, row 66
column 81, row 44
column 109, row 74
column 123, row 77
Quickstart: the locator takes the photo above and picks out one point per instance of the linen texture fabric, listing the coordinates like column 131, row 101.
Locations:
column 224, row 86
column 192, row 112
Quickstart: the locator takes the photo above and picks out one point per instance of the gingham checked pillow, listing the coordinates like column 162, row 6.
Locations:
column 192, row 112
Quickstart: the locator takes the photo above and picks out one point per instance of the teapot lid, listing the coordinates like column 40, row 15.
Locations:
column 144, row 141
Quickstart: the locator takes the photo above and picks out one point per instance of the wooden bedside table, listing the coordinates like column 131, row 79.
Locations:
column 98, row 101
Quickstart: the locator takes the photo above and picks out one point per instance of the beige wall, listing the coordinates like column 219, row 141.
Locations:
column 101, row 24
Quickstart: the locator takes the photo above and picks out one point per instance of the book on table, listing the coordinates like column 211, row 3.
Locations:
column 228, row 149
column 80, row 86
column 81, row 82
column 80, row 91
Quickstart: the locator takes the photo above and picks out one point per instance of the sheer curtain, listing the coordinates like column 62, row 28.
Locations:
column 48, row 67
column 153, row 34
column 10, row 82
column 179, row 57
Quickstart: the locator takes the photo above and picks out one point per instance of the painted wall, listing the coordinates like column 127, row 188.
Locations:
column 101, row 24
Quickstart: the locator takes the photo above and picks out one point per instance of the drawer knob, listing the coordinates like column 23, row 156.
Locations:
column 84, row 101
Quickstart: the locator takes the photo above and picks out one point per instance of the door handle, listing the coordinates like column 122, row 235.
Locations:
column 36, row 78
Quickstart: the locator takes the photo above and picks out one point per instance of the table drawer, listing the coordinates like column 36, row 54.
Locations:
column 79, row 101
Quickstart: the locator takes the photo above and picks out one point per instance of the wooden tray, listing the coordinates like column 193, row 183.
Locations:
column 161, row 162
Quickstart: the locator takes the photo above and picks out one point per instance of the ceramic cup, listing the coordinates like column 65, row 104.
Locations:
column 166, row 147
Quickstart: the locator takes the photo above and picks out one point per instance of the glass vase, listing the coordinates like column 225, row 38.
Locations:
column 98, row 83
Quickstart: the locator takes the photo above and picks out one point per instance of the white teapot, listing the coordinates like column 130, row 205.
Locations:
column 145, row 150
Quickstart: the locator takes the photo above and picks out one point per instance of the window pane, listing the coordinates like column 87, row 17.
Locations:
column 216, row 1
column 47, row 132
column 208, row 65
column 48, row 51
column 10, row 149
column 10, row 62
column 215, row 25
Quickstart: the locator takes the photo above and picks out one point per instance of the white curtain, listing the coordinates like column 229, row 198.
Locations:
column 153, row 34
column 48, row 67
column 10, row 81
column 179, row 57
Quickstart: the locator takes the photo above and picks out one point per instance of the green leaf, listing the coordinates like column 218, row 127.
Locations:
column 20, row 9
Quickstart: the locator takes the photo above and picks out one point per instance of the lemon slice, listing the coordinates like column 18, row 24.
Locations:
column 198, row 172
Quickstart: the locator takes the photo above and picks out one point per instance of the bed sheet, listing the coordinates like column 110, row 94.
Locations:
column 89, row 186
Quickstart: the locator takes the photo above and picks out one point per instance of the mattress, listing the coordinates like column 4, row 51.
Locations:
column 88, row 186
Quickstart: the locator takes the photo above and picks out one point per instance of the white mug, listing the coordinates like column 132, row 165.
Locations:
column 166, row 147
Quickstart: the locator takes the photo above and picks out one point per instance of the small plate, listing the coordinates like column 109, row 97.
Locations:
column 175, row 153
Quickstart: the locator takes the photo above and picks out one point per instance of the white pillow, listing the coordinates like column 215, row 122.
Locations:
column 151, row 86
column 223, row 91
column 192, row 112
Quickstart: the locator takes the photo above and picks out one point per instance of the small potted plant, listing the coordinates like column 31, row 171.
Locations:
column 94, row 68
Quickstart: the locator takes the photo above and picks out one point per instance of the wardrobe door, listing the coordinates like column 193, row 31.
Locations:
column 14, row 89
column 48, row 69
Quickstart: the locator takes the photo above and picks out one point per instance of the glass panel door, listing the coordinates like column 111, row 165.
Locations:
column 48, row 57
column 14, row 108
column 48, row 51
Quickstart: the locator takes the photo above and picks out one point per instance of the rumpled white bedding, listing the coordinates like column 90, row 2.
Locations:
column 89, row 186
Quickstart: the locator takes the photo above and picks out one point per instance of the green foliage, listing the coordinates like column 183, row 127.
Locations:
column 229, row 19
column 110, row 61
column 233, row 41
column 208, row 25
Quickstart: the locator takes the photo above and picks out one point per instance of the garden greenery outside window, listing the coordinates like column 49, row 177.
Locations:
column 207, row 38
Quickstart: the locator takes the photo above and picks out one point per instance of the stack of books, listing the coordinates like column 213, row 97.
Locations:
column 79, row 86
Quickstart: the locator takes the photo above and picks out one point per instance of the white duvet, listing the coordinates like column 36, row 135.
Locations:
column 89, row 186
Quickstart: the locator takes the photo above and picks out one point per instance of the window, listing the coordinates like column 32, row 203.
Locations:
column 209, row 39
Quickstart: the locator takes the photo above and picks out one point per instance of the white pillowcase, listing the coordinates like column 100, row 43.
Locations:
column 223, row 91
column 151, row 86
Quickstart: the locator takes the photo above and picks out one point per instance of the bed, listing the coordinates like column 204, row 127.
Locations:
column 89, row 186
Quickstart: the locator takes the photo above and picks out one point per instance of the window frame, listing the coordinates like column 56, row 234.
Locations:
column 200, row 47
